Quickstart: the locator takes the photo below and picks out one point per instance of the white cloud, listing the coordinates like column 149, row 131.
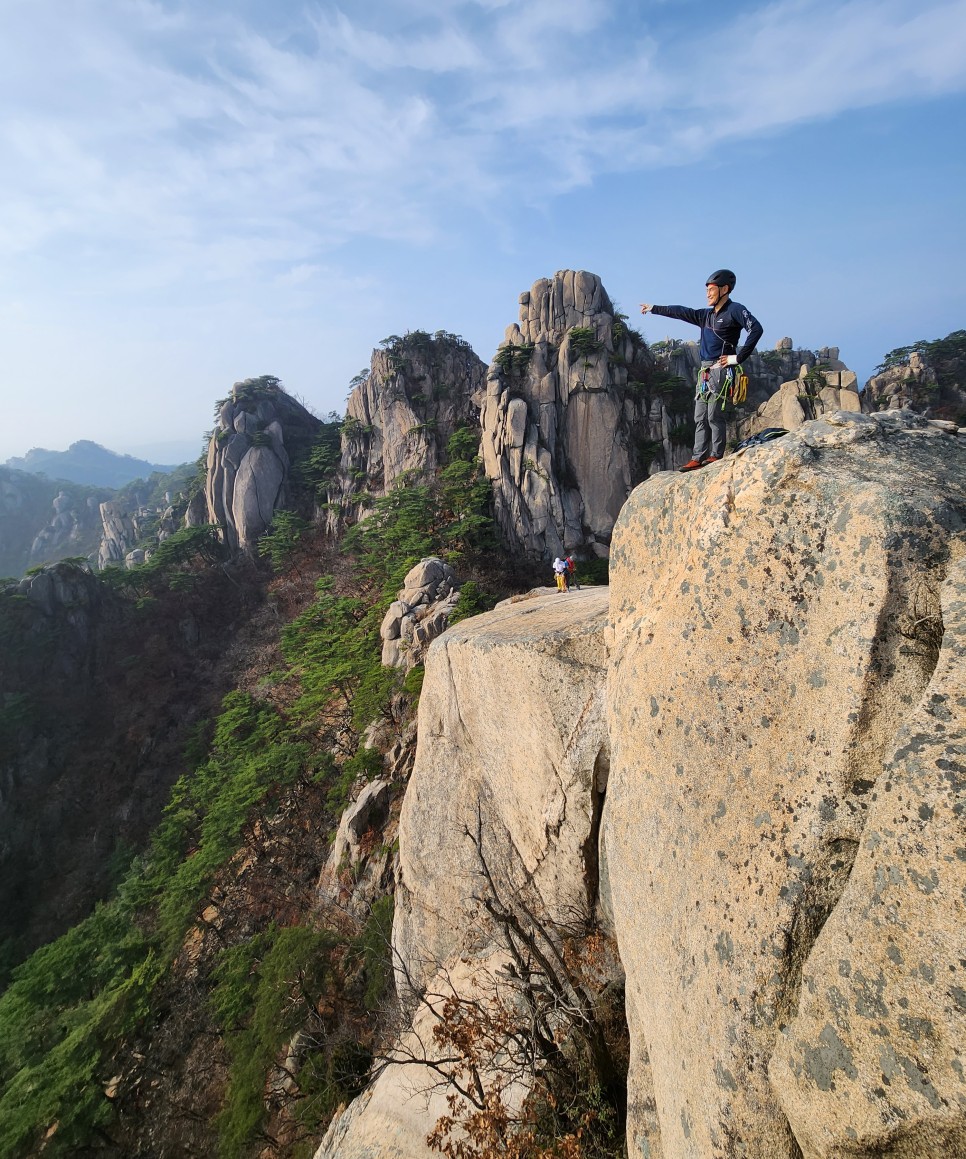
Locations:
column 193, row 141
column 805, row 60
column 443, row 49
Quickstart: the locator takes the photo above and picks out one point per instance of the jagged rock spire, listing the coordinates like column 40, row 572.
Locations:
column 568, row 428
column 419, row 389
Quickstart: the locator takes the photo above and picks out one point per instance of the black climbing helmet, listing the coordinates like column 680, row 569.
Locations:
column 722, row 278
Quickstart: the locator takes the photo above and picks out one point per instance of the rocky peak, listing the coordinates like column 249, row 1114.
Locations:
column 572, row 419
column 259, row 430
column 126, row 524
column 916, row 384
column 418, row 390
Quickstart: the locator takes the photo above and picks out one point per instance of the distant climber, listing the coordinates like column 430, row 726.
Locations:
column 572, row 572
column 560, row 572
column 721, row 325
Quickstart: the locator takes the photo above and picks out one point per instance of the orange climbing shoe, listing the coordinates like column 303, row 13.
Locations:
column 691, row 465
column 711, row 459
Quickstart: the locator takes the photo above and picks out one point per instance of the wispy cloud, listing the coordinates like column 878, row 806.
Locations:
column 207, row 140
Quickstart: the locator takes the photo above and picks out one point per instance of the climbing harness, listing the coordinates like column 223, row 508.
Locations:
column 732, row 386
column 711, row 386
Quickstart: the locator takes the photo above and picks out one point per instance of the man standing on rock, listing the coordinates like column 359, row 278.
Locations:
column 721, row 325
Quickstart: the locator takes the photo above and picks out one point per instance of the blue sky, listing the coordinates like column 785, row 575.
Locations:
column 196, row 192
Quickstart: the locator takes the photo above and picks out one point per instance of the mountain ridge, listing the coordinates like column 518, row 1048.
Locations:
column 87, row 463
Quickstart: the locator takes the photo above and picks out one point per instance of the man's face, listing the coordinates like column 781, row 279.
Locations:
column 716, row 294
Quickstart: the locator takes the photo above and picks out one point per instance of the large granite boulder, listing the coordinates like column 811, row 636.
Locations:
column 357, row 871
column 512, row 748
column 782, row 699
column 873, row 1061
column 810, row 396
column 120, row 533
column 511, row 735
column 250, row 456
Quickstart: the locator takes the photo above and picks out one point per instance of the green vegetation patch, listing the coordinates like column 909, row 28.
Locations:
column 267, row 992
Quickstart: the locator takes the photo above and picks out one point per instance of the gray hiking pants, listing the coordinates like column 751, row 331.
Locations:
column 710, row 424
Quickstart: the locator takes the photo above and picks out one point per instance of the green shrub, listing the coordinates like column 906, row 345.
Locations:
column 593, row 571
column 584, row 342
column 472, row 601
column 265, row 992
column 514, row 360
column 375, row 946
column 413, row 681
column 281, row 539
column 90, row 986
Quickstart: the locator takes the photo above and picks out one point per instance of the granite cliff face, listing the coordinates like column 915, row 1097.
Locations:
column 99, row 698
column 126, row 523
column 778, row 630
column 419, row 390
column 747, row 758
column 42, row 521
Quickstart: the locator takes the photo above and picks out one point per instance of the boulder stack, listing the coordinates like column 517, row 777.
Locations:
column 419, row 613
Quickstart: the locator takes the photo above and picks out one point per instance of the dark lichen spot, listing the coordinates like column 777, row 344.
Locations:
column 725, row 947
column 724, row 1078
column 831, row 1055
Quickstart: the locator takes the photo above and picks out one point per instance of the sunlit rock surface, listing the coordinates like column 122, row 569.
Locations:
column 747, row 759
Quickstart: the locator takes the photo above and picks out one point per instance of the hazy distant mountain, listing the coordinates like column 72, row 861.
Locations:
column 88, row 463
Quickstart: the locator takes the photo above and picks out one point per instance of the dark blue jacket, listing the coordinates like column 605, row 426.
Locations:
column 719, row 332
